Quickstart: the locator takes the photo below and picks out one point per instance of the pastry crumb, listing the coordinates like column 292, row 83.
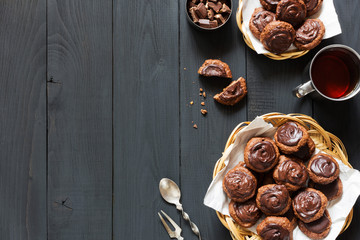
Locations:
column 185, row 69
column 204, row 94
column 203, row 111
column 201, row 89
column 192, row 102
column 195, row 126
column 202, row 104
column 200, row 94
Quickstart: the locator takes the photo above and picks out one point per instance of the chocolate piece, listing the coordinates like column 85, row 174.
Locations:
column 215, row 68
column 273, row 199
column 195, row 1
column 191, row 5
column 289, row 134
column 277, row 36
column 215, row 6
column 245, row 214
column 239, row 184
column 309, row 205
column 213, row 24
column 225, row 9
column 332, row 190
column 211, row 14
column 220, row 19
column 205, row 23
column 291, row 11
column 233, row 93
column 193, row 15
column 201, row 11
column 269, row 5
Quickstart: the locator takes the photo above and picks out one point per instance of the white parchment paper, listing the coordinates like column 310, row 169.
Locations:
column 338, row 209
column 327, row 15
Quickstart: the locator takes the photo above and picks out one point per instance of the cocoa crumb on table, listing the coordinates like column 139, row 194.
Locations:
column 202, row 104
column 204, row 94
column 195, row 126
column 192, row 102
column 203, row 111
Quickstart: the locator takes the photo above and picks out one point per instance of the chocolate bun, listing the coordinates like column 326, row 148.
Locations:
column 323, row 168
column 273, row 199
column 215, row 68
column 309, row 205
column 239, row 184
column 245, row 214
column 332, row 190
column 259, row 19
column 310, row 34
column 269, row 5
column 275, row 228
column 312, row 6
column 233, row 93
column 261, row 154
column 290, row 137
column 277, row 36
column 317, row 229
column 291, row 11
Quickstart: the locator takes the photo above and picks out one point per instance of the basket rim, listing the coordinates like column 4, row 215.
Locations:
column 313, row 127
column 283, row 56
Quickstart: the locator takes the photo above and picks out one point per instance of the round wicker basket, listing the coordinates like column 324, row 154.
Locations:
column 324, row 141
column 287, row 55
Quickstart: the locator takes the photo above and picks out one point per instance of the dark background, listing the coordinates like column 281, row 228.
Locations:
column 94, row 111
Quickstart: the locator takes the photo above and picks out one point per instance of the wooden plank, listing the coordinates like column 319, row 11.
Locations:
column 79, row 119
column 146, row 114
column 23, row 119
column 202, row 147
column 342, row 119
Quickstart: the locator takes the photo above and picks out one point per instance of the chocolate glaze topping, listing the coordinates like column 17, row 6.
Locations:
column 292, row 172
column 319, row 225
column 231, row 92
column 262, row 18
column 308, row 31
column 213, row 70
column 329, row 190
column 280, row 40
column 272, row 3
column 262, row 155
column 248, row 211
column 307, row 204
column 240, row 184
column 289, row 134
column 275, row 199
column 291, row 11
column 323, row 166
column 310, row 4
column 274, row 231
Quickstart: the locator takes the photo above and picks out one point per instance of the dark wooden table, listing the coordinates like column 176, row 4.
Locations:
column 94, row 101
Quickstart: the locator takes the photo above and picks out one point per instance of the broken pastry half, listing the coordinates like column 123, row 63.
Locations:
column 233, row 93
column 215, row 68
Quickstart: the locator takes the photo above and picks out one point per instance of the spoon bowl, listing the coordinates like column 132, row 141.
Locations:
column 170, row 191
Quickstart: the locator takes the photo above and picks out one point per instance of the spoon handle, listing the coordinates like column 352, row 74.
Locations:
column 193, row 226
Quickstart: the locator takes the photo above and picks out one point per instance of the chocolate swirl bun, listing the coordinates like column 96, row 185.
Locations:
column 310, row 34
column 318, row 229
column 215, row 68
column 332, row 190
column 290, row 137
column 275, row 228
column 291, row 172
column 259, row 19
column 273, row 199
column 312, row 6
column 245, row 214
column 239, row 184
column 261, row 154
column 309, row 205
column 277, row 36
column 291, row 11
column 323, row 168
column 233, row 93
column 269, row 5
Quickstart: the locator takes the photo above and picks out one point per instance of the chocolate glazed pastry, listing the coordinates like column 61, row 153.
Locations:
column 318, row 229
column 261, row 154
column 332, row 190
column 323, row 168
column 239, row 184
column 291, row 172
column 275, row 228
column 277, row 36
column 273, row 199
column 290, row 137
column 215, row 68
column 312, row 6
column 291, row 11
column 309, row 205
column 310, row 34
column 259, row 19
column 233, row 93
column 245, row 214
column 269, row 5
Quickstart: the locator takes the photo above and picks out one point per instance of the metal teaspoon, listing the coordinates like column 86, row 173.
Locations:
column 171, row 193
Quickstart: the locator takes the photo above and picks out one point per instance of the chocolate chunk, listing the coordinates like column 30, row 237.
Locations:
column 213, row 24
column 215, row 6
column 225, row 9
column 205, row 23
column 194, row 16
column 191, row 5
column 201, row 11
column 194, row 1
column 211, row 14
column 220, row 19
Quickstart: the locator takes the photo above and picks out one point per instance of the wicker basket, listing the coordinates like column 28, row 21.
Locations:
column 324, row 141
column 287, row 55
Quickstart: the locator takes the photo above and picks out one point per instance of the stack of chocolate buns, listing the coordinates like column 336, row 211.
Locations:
column 282, row 179
column 278, row 24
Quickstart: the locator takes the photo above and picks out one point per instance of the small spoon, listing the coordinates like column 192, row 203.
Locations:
column 171, row 193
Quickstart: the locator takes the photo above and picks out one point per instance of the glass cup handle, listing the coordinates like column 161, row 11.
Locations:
column 303, row 89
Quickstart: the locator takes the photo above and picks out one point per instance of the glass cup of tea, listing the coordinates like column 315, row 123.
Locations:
column 334, row 74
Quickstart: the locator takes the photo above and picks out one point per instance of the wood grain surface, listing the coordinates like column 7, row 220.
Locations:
column 95, row 110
